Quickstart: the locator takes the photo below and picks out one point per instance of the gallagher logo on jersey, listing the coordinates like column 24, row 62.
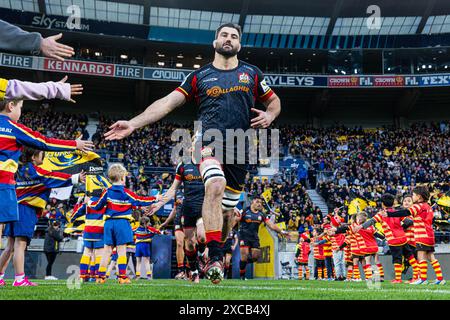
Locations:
column 244, row 78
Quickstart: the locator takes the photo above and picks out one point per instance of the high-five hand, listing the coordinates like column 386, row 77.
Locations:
column 119, row 130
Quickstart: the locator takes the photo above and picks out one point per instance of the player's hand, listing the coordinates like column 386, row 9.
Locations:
column 383, row 213
column 75, row 89
column 82, row 176
column 154, row 208
column 52, row 49
column 85, row 145
column 262, row 120
column 119, row 130
column 357, row 228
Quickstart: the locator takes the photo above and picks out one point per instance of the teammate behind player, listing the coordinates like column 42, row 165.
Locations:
column 249, row 223
column 226, row 91
column 175, row 215
column 191, row 213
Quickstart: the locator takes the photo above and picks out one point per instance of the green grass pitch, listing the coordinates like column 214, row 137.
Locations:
column 227, row 290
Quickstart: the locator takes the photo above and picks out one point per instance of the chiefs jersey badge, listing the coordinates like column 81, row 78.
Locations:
column 244, row 78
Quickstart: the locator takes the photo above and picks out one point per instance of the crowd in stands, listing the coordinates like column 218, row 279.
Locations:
column 56, row 124
column 359, row 162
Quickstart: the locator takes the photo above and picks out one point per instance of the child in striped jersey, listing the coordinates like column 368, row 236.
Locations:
column 33, row 191
column 144, row 234
column 92, row 236
column 422, row 215
column 119, row 203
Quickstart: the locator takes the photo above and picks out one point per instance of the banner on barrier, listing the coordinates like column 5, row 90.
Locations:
column 178, row 75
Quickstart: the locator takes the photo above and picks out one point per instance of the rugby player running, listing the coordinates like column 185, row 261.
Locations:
column 225, row 92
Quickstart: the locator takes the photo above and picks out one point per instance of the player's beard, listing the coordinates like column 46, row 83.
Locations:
column 227, row 53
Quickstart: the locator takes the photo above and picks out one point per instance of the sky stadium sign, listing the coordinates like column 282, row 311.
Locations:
column 90, row 68
column 74, row 22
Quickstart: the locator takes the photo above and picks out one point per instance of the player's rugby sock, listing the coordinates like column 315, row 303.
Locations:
column 437, row 269
column 92, row 269
column 98, row 259
column 191, row 257
column 423, row 269
column 368, row 271
column 242, row 267
column 349, row 272
column 398, row 271
column 215, row 247
column 356, row 274
column 380, row 270
column 122, row 263
column 1, row 276
column 180, row 267
column 319, row 273
column 307, row 273
column 102, row 272
column 84, row 263
column 300, row 272
column 201, row 248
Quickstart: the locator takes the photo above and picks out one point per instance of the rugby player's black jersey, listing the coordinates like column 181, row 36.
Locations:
column 249, row 223
column 225, row 97
column 194, row 190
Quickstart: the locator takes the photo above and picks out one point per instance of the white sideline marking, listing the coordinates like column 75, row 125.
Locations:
column 273, row 288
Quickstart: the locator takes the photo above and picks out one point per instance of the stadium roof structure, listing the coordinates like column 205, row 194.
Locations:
column 325, row 17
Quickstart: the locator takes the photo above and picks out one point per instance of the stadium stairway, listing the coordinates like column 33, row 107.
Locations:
column 317, row 200
column 92, row 125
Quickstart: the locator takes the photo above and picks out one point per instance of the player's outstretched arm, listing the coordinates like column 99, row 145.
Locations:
column 166, row 197
column 156, row 111
column 265, row 118
column 275, row 228
column 170, row 217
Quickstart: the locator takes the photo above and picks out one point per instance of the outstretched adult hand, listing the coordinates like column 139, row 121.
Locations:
column 119, row 130
column 52, row 49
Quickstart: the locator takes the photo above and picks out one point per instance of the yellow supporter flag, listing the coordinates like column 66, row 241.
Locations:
column 3, row 86
column 267, row 194
column 357, row 205
column 95, row 183
column 444, row 203
column 73, row 162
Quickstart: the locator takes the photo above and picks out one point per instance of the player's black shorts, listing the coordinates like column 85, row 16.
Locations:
column 320, row 263
column 246, row 241
column 235, row 175
column 412, row 249
column 424, row 247
column 399, row 251
column 227, row 246
column 190, row 215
